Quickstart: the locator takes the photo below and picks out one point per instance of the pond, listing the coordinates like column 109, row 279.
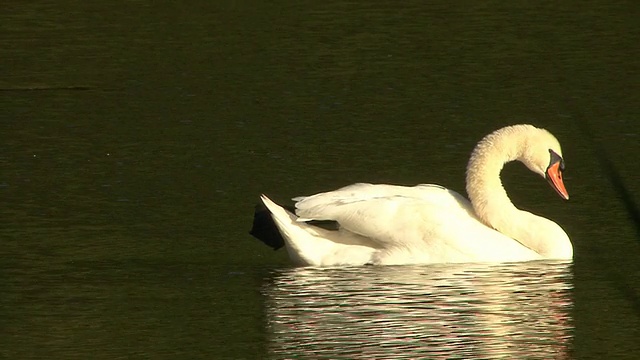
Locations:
column 138, row 138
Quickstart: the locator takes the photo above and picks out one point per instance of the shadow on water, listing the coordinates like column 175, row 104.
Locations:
column 627, row 199
column 480, row 311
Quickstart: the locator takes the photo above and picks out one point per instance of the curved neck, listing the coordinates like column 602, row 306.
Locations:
column 484, row 187
column 492, row 204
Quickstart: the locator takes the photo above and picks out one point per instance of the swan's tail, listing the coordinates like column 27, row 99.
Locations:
column 308, row 244
column 298, row 237
column 265, row 229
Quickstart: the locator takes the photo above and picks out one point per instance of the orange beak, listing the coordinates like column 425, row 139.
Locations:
column 554, row 177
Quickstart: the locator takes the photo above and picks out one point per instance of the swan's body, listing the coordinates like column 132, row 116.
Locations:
column 388, row 224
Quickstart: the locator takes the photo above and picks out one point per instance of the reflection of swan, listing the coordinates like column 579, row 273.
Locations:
column 510, row 311
column 386, row 224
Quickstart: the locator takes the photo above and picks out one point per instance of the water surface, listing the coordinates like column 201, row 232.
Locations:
column 137, row 138
column 469, row 311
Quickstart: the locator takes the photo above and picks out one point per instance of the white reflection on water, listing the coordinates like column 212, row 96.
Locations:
column 514, row 311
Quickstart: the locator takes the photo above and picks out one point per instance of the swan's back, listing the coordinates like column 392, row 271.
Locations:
column 420, row 224
column 333, row 204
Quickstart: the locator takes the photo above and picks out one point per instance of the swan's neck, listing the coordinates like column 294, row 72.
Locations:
column 493, row 206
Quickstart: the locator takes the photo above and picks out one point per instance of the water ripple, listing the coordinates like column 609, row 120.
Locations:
column 477, row 311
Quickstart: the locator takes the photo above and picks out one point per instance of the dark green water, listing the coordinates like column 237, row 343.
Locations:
column 137, row 137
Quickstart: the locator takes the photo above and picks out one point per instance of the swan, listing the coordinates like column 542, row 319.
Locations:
column 384, row 224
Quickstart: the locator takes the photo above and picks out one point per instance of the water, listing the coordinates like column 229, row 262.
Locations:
column 465, row 311
column 136, row 139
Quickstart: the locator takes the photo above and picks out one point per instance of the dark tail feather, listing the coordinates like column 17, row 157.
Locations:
column 265, row 229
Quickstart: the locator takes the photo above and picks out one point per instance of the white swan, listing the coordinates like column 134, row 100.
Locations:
column 388, row 224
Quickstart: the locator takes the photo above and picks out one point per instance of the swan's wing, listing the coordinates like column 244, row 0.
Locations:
column 390, row 215
column 350, row 193
column 363, row 192
column 420, row 224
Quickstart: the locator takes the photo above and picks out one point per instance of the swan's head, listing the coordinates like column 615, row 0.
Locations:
column 542, row 154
